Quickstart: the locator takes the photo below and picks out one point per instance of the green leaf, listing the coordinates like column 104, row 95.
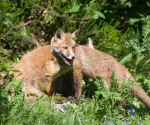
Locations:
column 5, row 66
column 75, row 8
column 98, row 14
column 133, row 20
column 129, row 4
column 5, row 22
column 3, row 5
column 62, row 10
column 129, row 56
column 15, row 83
column 126, row 58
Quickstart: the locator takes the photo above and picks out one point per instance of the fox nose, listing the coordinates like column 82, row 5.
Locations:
column 73, row 57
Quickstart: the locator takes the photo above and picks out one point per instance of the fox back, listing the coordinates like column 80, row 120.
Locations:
column 97, row 64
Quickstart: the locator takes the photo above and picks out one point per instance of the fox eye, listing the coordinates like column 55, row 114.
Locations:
column 65, row 47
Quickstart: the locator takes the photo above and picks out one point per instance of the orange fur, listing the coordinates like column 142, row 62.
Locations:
column 42, row 68
column 97, row 64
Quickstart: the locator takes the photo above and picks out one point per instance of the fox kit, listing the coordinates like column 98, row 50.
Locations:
column 41, row 68
column 97, row 64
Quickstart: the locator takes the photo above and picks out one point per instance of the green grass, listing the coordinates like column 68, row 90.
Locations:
column 101, row 109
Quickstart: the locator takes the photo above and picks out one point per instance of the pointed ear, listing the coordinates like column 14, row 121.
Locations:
column 59, row 34
column 74, row 34
column 90, row 43
column 52, row 40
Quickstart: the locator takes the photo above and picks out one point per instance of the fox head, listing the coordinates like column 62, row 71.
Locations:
column 62, row 46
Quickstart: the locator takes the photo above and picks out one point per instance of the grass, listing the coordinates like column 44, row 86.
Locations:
column 101, row 109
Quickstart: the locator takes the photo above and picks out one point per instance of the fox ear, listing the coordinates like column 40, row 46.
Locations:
column 52, row 40
column 74, row 34
column 59, row 34
column 90, row 43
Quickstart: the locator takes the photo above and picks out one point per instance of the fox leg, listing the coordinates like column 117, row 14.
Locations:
column 70, row 83
column 28, row 89
column 78, row 83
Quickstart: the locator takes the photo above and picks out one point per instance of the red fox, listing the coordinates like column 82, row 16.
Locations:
column 41, row 67
column 97, row 64
column 88, row 61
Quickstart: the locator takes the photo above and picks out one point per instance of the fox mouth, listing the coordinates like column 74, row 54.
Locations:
column 66, row 60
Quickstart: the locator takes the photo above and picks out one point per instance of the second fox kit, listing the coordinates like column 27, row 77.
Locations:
column 97, row 64
column 41, row 67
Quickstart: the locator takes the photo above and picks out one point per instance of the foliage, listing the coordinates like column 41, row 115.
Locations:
column 138, row 58
column 118, row 27
column 93, row 111
column 27, row 25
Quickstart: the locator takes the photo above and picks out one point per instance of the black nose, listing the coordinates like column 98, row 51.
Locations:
column 73, row 57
